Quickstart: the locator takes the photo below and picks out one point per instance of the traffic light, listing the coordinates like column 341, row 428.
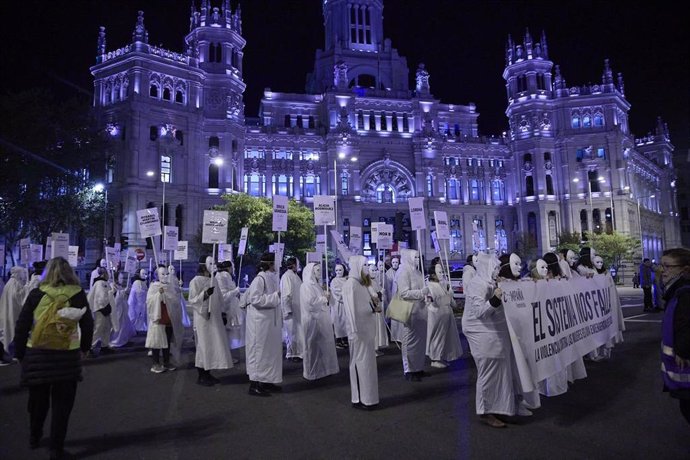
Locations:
column 124, row 241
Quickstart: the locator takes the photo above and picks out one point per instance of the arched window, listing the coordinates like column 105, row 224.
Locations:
column 598, row 120
column 497, row 190
column 609, row 220
column 310, row 185
column 586, row 121
column 179, row 96
column 529, row 186
column 179, row 136
column 282, row 185
column 527, row 158
column 476, row 187
column 575, row 121
column 153, row 90
column 213, row 141
column 549, row 185
column 522, row 83
column 253, row 184
column 213, row 175
column 385, row 194
column 453, row 189
column 583, row 221
column 596, row 220
column 166, row 93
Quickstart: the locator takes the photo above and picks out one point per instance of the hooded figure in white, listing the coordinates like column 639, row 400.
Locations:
column 336, row 304
column 177, row 284
column 410, row 286
column 162, row 336
column 102, row 303
column 290, row 284
column 264, row 349
column 212, row 349
column 443, row 339
column 320, row 358
column 94, row 273
column 361, row 333
column 137, row 302
column 126, row 330
column 11, row 302
column 484, row 325
column 397, row 328
column 376, row 292
column 230, row 296
column 468, row 272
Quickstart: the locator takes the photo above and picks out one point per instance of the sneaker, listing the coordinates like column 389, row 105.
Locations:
column 5, row 363
column 379, row 353
column 439, row 364
column 523, row 411
column 157, row 369
column 169, row 367
column 492, row 421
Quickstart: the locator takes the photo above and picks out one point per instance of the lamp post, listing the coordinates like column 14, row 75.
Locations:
column 600, row 179
column 100, row 187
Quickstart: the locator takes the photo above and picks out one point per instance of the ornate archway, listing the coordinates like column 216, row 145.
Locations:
column 387, row 181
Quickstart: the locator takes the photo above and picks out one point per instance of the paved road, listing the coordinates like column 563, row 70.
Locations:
column 123, row 411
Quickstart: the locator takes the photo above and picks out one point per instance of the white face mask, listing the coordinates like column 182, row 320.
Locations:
column 373, row 269
column 598, row 262
column 317, row 272
column 438, row 269
column 380, row 266
column 542, row 268
column 515, row 264
column 474, row 261
column 339, row 271
column 171, row 270
column 571, row 258
column 395, row 263
column 103, row 263
column 210, row 265
column 142, row 274
column 416, row 261
column 163, row 275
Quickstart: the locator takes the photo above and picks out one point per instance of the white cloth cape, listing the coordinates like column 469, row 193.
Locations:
column 443, row 338
column 212, row 349
column 137, row 305
column 290, row 284
column 11, row 302
column 264, row 348
column 409, row 282
column 156, row 336
column 337, row 309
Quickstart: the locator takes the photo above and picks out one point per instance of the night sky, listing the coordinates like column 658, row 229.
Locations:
column 52, row 44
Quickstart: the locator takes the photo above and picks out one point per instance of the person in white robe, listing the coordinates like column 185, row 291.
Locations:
column 102, row 304
column 94, row 273
column 264, row 348
column 397, row 328
column 484, row 324
column 11, row 302
column 376, row 292
column 212, row 349
column 229, row 293
column 337, row 309
column 177, row 284
column 126, row 330
column 137, row 301
column 290, row 284
column 410, row 286
column 320, row 358
column 165, row 328
column 468, row 271
column 443, row 339
column 361, row 331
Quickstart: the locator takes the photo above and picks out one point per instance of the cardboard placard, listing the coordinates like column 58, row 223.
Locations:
column 324, row 210
column 215, row 227
column 280, row 213
column 417, row 217
column 149, row 222
column 170, row 237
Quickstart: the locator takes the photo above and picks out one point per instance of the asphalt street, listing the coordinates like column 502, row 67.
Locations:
column 123, row 411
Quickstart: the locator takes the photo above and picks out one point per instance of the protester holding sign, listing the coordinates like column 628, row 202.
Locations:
column 320, row 358
column 410, row 287
column 229, row 293
column 94, row 274
column 376, row 292
column 443, row 340
column 264, row 325
column 337, row 308
column 397, row 328
column 675, row 343
column 361, row 332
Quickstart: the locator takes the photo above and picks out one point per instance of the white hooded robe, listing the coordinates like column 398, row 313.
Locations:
column 409, row 282
column 264, row 348
column 11, row 302
column 156, row 336
column 443, row 338
column 289, row 302
column 137, row 305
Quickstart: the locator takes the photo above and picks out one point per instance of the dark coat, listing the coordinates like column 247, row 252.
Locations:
column 681, row 325
column 41, row 366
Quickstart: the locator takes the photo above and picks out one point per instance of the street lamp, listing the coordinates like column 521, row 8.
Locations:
column 98, row 188
column 600, row 179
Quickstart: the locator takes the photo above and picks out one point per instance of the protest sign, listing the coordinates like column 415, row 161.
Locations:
column 59, row 245
column 279, row 250
column 315, row 257
column 280, row 213
column 131, row 261
column 355, row 239
column 181, row 251
column 149, row 223
column 385, row 236
column 244, row 235
column 417, row 217
column 324, row 210
column 375, row 232
column 73, row 257
column 215, row 227
column 25, row 250
column 321, row 244
column 224, row 252
column 35, row 253
column 170, row 237
column 442, row 229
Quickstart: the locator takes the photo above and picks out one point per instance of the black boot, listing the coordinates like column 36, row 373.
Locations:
column 203, row 379
column 256, row 390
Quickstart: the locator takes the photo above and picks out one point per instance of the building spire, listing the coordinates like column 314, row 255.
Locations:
column 140, row 33
column 100, row 47
column 509, row 50
column 607, row 76
column 544, row 47
column 528, row 43
column 621, row 84
column 423, row 88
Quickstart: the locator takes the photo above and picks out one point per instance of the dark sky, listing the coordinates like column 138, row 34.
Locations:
column 52, row 43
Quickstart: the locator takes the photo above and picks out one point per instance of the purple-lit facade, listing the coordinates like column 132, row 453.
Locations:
column 361, row 132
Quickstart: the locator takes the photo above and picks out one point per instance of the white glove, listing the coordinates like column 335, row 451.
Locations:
column 498, row 292
column 425, row 291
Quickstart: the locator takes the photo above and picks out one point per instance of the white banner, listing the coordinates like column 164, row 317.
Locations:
column 224, row 252
column 181, row 251
column 340, row 245
column 131, row 261
column 375, row 233
column 215, row 227
column 417, row 217
column 170, row 237
column 244, row 235
column 442, row 228
column 73, row 257
column 35, row 253
column 321, row 244
column 149, row 223
column 356, row 239
column 279, row 250
column 25, row 250
column 555, row 322
column 385, row 237
column 280, row 213
column 324, row 210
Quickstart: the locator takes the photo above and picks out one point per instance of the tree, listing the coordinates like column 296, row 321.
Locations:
column 526, row 246
column 614, row 247
column 570, row 240
column 47, row 150
column 257, row 214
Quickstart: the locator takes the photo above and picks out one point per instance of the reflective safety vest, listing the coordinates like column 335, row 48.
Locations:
column 674, row 377
column 51, row 331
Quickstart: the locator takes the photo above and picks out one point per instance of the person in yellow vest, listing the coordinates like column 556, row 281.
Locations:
column 61, row 328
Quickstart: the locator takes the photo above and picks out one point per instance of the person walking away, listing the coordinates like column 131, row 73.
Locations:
column 137, row 301
column 361, row 332
column 320, row 358
column 290, row 284
column 675, row 329
column 53, row 333
column 646, row 281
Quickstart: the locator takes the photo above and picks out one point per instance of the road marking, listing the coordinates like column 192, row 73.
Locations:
column 636, row 316
column 632, row 306
column 643, row 320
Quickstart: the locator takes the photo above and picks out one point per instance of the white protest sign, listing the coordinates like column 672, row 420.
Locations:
column 36, row 253
column 244, row 235
column 280, row 213
column 149, row 223
column 434, row 239
column 224, row 252
column 321, row 244
column 314, row 257
column 25, row 250
column 215, row 227
column 131, row 261
column 73, row 257
column 375, row 232
column 555, row 322
column 110, row 257
column 59, row 245
column 385, row 238
column 355, row 238
column 279, row 250
column 340, row 245
column 442, row 228
column 170, row 237
column 181, row 251
column 417, row 218
column 324, row 210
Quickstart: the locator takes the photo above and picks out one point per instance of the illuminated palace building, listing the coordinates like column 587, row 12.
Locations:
column 568, row 162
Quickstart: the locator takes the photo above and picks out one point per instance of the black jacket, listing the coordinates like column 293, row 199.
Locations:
column 40, row 366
